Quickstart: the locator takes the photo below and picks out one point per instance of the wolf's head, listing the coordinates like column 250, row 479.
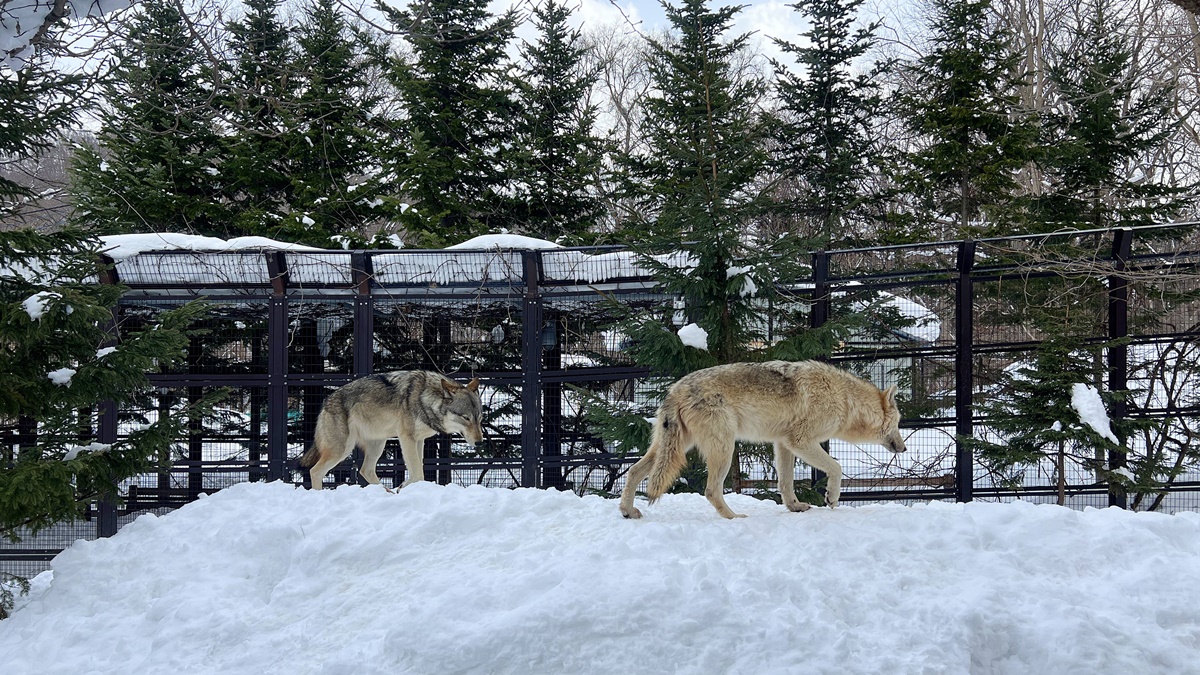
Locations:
column 889, row 435
column 463, row 410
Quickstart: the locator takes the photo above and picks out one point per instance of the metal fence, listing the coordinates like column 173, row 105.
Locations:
column 538, row 328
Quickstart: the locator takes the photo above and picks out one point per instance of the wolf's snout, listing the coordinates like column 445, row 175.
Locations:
column 895, row 443
column 474, row 435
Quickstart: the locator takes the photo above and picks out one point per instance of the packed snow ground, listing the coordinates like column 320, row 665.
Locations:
column 266, row 578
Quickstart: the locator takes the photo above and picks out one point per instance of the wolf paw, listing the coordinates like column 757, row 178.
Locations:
column 631, row 513
column 798, row 507
column 831, row 503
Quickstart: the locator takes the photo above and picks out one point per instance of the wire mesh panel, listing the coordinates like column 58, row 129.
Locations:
column 231, row 338
column 447, row 268
column 194, row 270
column 224, row 446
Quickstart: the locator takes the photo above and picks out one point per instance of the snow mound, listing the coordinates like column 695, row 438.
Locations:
column 265, row 578
column 503, row 241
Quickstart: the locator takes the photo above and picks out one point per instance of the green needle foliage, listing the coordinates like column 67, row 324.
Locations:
column 60, row 362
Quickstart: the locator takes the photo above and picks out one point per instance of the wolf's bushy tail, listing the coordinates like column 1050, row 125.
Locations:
column 309, row 459
column 668, row 450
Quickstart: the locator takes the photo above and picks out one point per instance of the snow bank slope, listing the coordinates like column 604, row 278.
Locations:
column 268, row 579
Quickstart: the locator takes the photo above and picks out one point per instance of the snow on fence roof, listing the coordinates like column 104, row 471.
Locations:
column 150, row 262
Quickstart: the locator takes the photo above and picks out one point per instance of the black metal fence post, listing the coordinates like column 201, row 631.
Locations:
column 964, row 372
column 818, row 316
column 531, row 369
column 1118, row 355
column 364, row 315
column 106, row 428
column 552, row 335
column 277, row 346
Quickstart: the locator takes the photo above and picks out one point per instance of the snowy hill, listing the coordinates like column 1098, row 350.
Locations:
column 264, row 578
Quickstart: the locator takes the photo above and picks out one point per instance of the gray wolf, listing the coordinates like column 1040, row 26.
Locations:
column 793, row 405
column 411, row 405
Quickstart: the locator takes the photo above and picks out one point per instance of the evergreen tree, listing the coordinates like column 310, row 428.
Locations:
column 961, row 101
column 1106, row 119
column 826, row 140
column 458, row 122
column 162, row 152
column 1037, row 421
column 260, row 92
column 698, row 182
column 59, row 360
column 39, row 103
column 558, row 157
column 333, row 165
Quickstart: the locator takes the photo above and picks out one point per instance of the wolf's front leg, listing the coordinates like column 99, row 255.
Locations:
column 413, row 451
column 815, row 456
column 785, row 468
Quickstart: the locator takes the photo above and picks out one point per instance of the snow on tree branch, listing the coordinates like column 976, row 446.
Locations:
column 23, row 23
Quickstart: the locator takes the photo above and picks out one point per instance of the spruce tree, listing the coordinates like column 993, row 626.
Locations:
column 1036, row 420
column 459, row 118
column 158, row 168
column 558, row 156
column 38, row 103
column 60, row 360
column 334, row 133
column 961, row 102
column 1105, row 119
column 827, row 118
column 260, row 90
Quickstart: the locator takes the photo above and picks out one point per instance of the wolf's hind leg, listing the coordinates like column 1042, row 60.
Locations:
column 785, row 467
column 327, row 461
column 372, row 450
column 719, row 457
column 637, row 473
column 815, row 456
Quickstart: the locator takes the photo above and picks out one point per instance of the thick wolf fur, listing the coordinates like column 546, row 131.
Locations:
column 793, row 405
column 411, row 405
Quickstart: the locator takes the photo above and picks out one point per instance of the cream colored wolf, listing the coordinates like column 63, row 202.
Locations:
column 793, row 405
column 410, row 405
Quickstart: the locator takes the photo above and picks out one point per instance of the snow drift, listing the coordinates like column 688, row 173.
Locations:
column 265, row 578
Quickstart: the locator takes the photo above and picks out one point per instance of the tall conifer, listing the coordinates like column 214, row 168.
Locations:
column 459, row 118
column 961, row 102
column 558, row 157
column 828, row 114
column 161, row 145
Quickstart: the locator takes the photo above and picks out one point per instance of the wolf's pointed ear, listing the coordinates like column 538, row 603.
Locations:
column 890, row 395
column 473, row 385
column 449, row 387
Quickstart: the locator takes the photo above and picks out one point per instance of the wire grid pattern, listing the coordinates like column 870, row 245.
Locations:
column 447, row 268
column 319, row 269
column 193, row 269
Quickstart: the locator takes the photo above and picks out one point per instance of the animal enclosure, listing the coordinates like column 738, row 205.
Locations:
column 943, row 321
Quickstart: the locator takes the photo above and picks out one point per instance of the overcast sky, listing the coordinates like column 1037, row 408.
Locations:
column 764, row 18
